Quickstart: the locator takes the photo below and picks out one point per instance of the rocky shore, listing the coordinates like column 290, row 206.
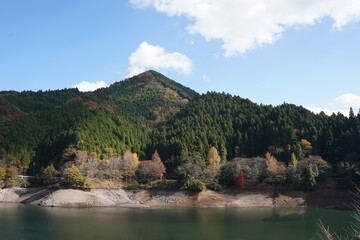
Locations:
column 323, row 198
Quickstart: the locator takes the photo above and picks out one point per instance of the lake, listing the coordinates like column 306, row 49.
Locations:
column 19, row 221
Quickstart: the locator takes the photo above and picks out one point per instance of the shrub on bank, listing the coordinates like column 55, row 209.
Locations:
column 9, row 178
column 16, row 182
column 48, row 175
column 214, row 186
column 73, row 178
column 156, row 185
column 193, row 185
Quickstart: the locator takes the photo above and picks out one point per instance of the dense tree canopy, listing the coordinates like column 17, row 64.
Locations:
column 149, row 112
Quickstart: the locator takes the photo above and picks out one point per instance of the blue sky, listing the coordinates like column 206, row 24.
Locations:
column 301, row 52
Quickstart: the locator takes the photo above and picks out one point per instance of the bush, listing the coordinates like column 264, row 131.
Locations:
column 194, row 185
column 187, row 172
column 136, row 185
column 9, row 178
column 2, row 174
column 74, row 178
column 214, row 186
column 227, row 172
column 164, row 185
column 10, row 173
column 16, row 182
column 48, row 175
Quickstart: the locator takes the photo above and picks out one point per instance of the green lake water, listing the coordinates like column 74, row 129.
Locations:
column 29, row 222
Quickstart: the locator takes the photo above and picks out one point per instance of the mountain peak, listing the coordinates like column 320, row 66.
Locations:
column 153, row 79
column 149, row 94
column 144, row 76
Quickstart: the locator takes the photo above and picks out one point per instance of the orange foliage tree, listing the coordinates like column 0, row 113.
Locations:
column 276, row 171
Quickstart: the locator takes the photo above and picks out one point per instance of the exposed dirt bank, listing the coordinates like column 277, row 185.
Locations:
column 68, row 197
column 324, row 198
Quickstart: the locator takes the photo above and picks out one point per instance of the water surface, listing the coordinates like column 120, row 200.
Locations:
column 29, row 222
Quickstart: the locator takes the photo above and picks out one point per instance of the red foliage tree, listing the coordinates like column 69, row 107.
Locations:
column 156, row 157
column 239, row 180
column 150, row 170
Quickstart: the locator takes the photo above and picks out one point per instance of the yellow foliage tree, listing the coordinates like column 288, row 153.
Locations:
column 294, row 161
column 213, row 158
column 74, row 178
column 131, row 160
column 135, row 159
column 129, row 164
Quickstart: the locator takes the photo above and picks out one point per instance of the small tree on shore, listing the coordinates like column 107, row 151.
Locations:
column 74, row 178
column 151, row 170
column 129, row 164
column 48, row 175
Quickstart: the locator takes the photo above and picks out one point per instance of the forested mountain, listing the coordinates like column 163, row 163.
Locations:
column 150, row 111
column 240, row 128
column 37, row 127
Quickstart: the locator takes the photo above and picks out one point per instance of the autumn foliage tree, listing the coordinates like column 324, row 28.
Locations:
column 9, row 178
column 155, row 157
column 275, row 170
column 129, row 164
column 239, row 180
column 72, row 177
column 305, row 146
column 213, row 158
column 152, row 169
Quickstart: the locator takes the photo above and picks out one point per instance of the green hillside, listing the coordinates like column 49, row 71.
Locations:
column 239, row 128
column 37, row 127
column 150, row 111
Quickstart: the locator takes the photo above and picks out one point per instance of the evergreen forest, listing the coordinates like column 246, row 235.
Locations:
column 151, row 114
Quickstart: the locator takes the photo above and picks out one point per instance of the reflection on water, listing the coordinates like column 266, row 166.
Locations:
column 286, row 214
column 28, row 222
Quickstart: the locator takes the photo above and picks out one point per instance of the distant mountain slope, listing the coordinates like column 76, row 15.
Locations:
column 29, row 101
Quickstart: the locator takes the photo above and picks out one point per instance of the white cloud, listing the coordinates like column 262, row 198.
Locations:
column 85, row 86
column 328, row 112
column 149, row 56
column 348, row 99
column 243, row 25
column 345, row 100
column 204, row 78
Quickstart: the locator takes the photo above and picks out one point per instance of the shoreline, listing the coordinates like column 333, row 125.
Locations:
column 48, row 197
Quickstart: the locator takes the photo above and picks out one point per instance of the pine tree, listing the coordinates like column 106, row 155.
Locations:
column 351, row 113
